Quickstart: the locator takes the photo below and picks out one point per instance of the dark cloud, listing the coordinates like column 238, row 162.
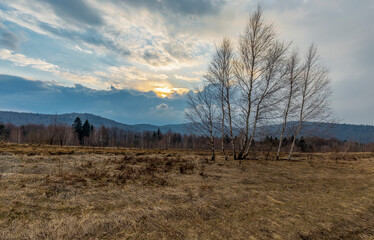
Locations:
column 8, row 39
column 127, row 106
column 185, row 7
column 76, row 10
column 155, row 58
column 90, row 36
column 177, row 50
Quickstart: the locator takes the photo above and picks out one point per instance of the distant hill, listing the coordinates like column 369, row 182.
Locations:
column 19, row 119
column 348, row 132
column 342, row 132
column 177, row 128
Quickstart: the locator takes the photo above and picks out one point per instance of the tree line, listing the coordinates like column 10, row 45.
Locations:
column 260, row 81
column 65, row 135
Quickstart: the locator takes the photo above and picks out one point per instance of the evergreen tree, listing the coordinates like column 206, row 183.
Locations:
column 78, row 128
column 154, row 136
column 4, row 132
column 159, row 134
column 302, row 144
column 86, row 129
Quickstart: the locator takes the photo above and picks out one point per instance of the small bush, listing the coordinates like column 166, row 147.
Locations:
column 187, row 167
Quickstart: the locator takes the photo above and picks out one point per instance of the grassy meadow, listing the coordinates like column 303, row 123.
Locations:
column 50, row 192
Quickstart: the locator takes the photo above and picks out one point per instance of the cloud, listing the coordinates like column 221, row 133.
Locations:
column 162, row 106
column 127, row 106
column 90, row 37
column 184, row 7
column 71, row 20
column 188, row 79
column 8, row 39
column 156, row 58
column 23, row 61
column 82, row 50
column 77, row 11
column 41, row 65
column 117, row 77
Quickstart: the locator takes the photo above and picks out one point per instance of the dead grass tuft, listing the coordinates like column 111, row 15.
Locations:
column 187, row 167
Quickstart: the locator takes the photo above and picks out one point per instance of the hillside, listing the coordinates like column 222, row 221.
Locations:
column 348, row 132
column 343, row 132
column 68, row 119
column 19, row 119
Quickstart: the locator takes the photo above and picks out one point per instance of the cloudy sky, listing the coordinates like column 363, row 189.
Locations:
column 134, row 60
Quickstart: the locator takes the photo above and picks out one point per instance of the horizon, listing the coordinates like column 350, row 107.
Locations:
column 162, row 125
column 134, row 61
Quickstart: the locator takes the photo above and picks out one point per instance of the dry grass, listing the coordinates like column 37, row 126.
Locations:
column 108, row 193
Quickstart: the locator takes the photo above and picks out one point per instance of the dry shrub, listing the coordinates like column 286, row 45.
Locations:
column 151, row 168
column 168, row 166
column 202, row 171
column 127, row 159
column 147, row 173
column 155, row 181
column 54, row 189
column 344, row 157
column 97, row 174
column 121, row 178
column 57, row 183
column 186, row 167
column 132, row 172
column 121, row 167
column 87, row 165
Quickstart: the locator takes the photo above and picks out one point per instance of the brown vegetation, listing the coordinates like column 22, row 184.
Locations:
column 49, row 192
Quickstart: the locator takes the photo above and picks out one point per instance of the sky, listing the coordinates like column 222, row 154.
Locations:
column 134, row 60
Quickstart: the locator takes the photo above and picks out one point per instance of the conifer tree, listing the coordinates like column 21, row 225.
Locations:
column 86, row 129
column 78, row 129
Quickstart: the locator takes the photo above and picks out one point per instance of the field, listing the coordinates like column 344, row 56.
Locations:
column 51, row 192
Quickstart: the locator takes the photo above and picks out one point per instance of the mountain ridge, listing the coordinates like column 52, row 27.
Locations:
column 23, row 118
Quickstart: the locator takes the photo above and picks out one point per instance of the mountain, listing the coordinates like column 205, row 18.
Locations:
column 348, row 132
column 177, row 128
column 18, row 119
column 342, row 132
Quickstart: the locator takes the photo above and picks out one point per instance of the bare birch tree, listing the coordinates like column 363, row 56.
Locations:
column 221, row 75
column 292, row 80
column 254, row 48
column 258, row 85
column 315, row 92
column 268, row 87
column 202, row 113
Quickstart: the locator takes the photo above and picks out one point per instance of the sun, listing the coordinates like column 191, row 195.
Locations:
column 163, row 91
column 168, row 91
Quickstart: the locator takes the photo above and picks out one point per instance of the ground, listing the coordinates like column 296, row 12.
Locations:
column 51, row 192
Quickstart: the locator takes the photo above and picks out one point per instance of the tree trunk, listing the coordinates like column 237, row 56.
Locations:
column 246, row 131
column 284, row 126
column 212, row 149
column 223, row 122
column 294, row 140
column 230, row 125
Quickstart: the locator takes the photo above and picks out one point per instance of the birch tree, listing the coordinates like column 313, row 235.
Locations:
column 254, row 48
column 202, row 113
column 268, row 87
column 292, row 80
column 221, row 75
column 315, row 92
